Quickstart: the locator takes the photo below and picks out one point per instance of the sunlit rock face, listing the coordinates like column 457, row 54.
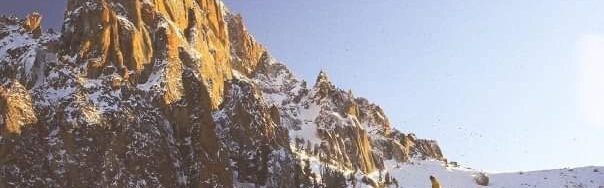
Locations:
column 16, row 108
column 246, row 52
column 32, row 24
column 140, row 39
column 161, row 93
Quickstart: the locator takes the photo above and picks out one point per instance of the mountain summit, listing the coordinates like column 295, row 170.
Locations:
column 178, row 94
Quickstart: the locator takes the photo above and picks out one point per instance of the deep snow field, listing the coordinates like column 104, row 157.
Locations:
column 416, row 175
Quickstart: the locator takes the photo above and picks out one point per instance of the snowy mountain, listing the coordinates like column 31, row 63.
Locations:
column 179, row 94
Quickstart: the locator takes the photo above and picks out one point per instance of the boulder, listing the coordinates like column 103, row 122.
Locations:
column 481, row 179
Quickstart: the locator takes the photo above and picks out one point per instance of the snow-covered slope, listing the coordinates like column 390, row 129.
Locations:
column 417, row 173
column 579, row 177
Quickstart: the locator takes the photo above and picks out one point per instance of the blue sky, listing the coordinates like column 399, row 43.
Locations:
column 502, row 85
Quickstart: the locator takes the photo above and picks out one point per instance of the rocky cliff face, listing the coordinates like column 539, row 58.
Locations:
column 176, row 94
column 140, row 41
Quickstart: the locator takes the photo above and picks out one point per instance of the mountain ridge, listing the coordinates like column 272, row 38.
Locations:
column 179, row 94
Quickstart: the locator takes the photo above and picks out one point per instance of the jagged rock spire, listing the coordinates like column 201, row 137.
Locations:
column 322, row 79
column 246, row 52
column 32, row 24
column 323, row 85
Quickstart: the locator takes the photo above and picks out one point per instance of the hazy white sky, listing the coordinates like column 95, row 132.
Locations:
column 502, row 85
column 591, row 79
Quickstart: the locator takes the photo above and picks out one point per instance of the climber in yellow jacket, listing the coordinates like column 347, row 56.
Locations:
column 435, row 183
